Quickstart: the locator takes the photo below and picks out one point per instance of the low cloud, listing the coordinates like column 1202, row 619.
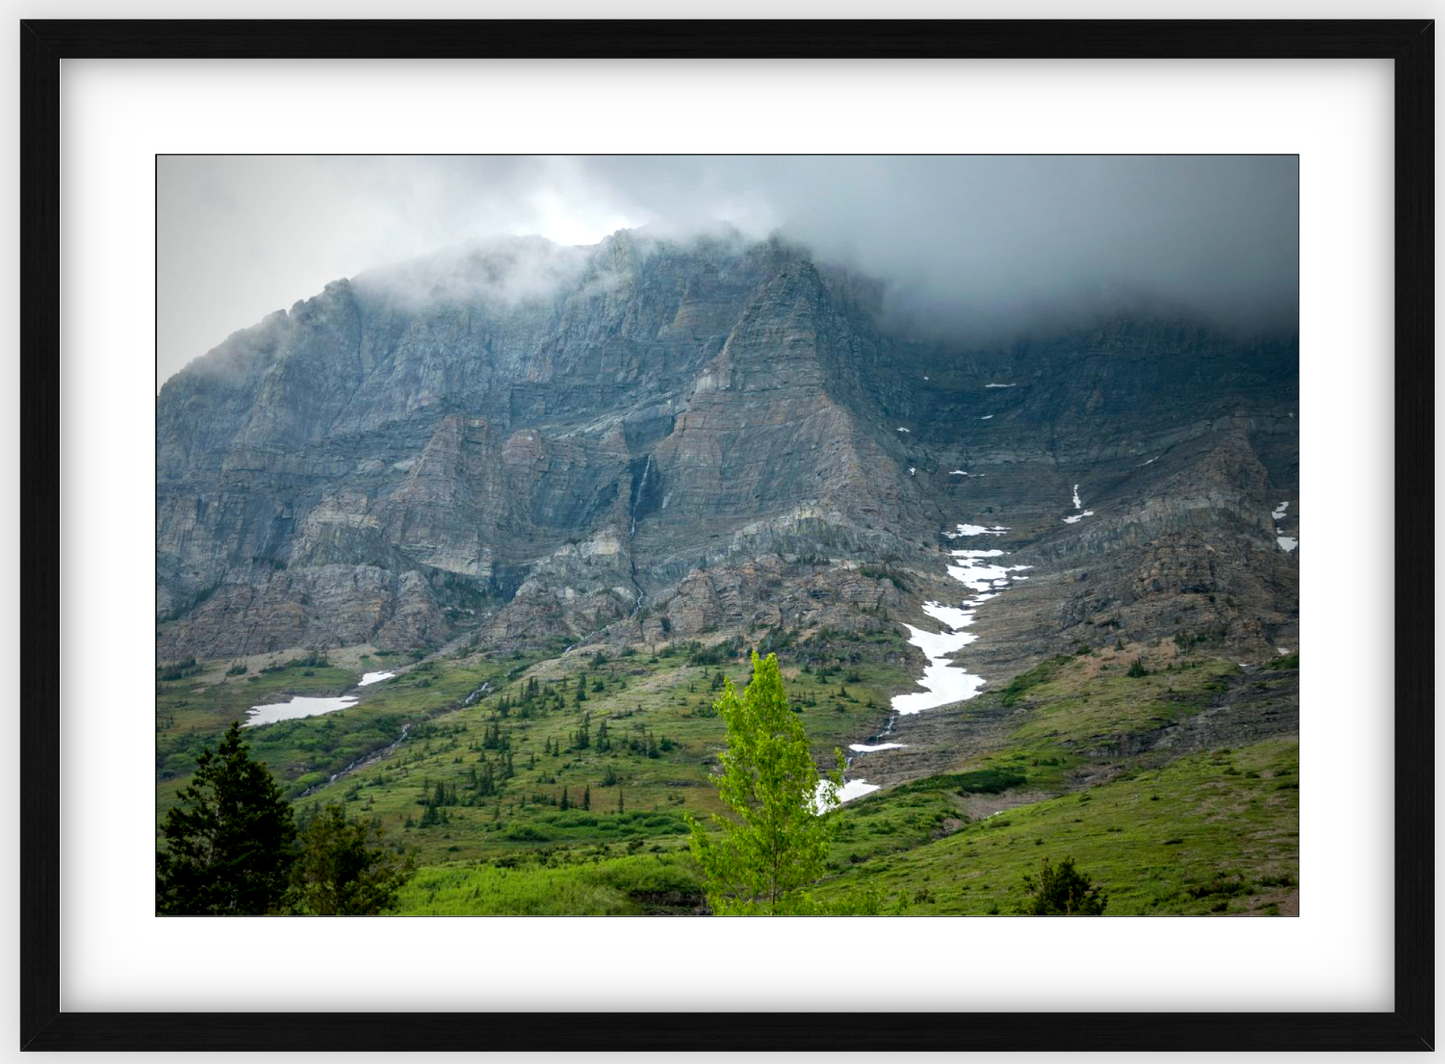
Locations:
column 982, row 248
column 497, row 271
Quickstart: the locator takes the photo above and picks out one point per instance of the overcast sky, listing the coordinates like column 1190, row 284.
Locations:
column 979, row 246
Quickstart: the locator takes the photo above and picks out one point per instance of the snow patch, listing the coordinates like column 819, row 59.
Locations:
column 943, row 682
column 827, row 797
column 1075, row 518
column 953, row 616
column 1078, row 503
column 977, row 530
column 986, row 417
column 1000, row 385
column 1278, row 514
column 1152, row 460
column 980, row 577
column 375, row 677
column 1287, row 543
column 902, row 429
column 297, row 707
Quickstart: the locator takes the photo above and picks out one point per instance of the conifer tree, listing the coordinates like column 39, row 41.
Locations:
column 1062, row 890
column 229, row 843
column 344, row 870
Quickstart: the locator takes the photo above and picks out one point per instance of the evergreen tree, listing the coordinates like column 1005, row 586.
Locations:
column 759, row 860
column 1063, row 890
column 565, row 804
column 344, row 870
column 587, row 797
column 229, row 843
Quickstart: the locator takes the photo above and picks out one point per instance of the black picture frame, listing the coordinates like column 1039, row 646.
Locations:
column 43, row 44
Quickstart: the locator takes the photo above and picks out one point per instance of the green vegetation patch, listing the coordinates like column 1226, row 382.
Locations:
column 1073, row 707
column 980, row 781
column 1214, row 832
column 1041, row 673
column 585, row 883
column 626, row 739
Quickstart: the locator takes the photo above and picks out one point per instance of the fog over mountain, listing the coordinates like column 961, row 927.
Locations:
column 981, row 248
column 498, row 471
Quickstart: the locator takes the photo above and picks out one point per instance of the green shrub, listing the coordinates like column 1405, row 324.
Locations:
column 1062, row 890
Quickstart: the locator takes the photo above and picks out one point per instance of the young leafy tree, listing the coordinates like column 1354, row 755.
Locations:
column 229, row 844
column 1062, row 890
column 759, row 860
column 343, row 868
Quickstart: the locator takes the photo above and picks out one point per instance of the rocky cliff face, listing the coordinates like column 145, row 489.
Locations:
column 647, row 439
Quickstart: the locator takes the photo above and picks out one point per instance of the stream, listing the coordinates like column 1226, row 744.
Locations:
column 362, row 762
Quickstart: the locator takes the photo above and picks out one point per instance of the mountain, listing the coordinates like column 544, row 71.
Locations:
column 517, row 492
column 649, row 439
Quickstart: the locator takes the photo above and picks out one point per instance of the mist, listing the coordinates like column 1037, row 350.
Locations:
column 978, row 248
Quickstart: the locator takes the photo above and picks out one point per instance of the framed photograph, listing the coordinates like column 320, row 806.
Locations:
column 857, row 480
